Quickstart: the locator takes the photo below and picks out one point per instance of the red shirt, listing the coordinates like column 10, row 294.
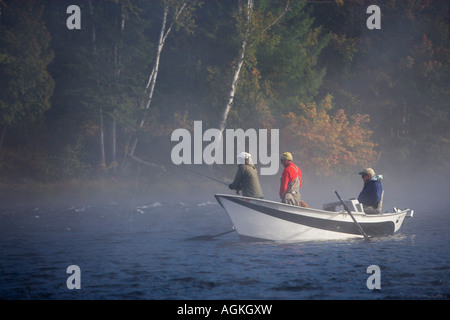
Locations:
column 289, row 174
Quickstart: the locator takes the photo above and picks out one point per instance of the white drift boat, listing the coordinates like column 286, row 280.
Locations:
column 259, row 219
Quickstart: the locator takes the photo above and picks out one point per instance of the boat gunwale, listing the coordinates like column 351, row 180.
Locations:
column 312, row 210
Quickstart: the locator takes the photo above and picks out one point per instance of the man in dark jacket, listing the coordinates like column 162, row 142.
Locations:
column 246, row 179
column 371, row 194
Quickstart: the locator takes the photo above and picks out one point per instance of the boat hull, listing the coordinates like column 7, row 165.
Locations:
column 259, row 219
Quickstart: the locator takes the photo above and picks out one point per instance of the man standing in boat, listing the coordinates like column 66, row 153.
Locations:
column 291, row 181
column 246, row 179
column 371, row 194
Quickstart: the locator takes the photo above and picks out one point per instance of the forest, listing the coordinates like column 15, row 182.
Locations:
column 92, row 90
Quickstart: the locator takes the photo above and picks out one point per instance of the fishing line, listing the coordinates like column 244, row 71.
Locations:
column 200, row 174
column 192, row 171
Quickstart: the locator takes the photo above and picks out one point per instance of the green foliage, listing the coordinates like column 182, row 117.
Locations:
column 280, row 68
column 25, row 163
column 69, row 163
column 290, row 65
column 24, row 56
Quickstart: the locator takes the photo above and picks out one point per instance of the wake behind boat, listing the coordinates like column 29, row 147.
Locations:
column 259, row 219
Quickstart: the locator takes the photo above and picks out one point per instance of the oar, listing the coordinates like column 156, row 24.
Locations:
column 351, row 215
column 209, row 237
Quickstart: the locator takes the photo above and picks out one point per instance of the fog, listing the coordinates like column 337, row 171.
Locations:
column 419, row 191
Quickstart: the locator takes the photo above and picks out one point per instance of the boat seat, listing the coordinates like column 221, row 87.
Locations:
column 352, row 204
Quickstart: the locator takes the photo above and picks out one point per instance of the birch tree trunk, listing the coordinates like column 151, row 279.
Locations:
column 150, row 88
column 249, row 30
column 238, row 66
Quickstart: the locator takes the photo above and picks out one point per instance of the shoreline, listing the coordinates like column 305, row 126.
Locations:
column 76, row 191
column 98, row 192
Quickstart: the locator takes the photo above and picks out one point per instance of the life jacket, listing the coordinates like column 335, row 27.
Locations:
column 294, row 185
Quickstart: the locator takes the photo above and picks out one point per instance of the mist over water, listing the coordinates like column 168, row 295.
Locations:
column 142, row 251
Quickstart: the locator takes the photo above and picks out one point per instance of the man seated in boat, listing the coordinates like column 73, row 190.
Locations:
column 291, row 181
column 246, row 179
column 371, row 194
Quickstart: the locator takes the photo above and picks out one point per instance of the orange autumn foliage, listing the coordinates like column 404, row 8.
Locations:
column 328, row 144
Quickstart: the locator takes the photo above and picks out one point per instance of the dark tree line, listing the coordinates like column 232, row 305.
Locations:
column 98, row 100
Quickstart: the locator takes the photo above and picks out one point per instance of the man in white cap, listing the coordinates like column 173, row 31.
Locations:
column 246, row 179
column 370, row 196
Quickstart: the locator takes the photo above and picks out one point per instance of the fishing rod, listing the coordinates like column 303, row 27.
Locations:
column 195, row 172
column 200, row 174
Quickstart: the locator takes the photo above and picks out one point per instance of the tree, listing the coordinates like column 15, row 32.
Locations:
column 276, row 66
column 289, row 63
column 176, row 14
column 25, row 54
column 116, row 60
column 329, row 145
column 105, row 67
column 397, row 75
column 253, row 26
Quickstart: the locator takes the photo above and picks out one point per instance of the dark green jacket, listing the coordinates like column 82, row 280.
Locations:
column 247, row 180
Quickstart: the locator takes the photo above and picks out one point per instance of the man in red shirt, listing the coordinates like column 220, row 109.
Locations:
column 291, row 181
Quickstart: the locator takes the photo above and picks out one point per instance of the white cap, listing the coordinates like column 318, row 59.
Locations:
column 244, row 156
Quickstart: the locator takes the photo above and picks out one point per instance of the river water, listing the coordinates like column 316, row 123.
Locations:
column 142, row 252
